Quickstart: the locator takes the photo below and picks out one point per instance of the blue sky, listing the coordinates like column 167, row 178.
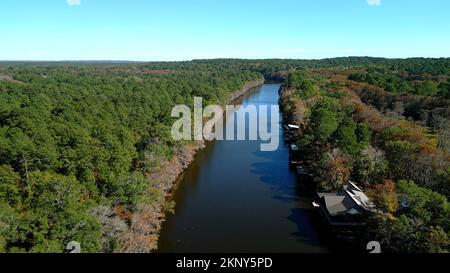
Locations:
column 147, row 30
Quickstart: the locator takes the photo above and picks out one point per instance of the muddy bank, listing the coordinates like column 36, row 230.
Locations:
column 245, row 89
column 145, row 224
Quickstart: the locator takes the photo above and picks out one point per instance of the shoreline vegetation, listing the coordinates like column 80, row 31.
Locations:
column 80, row 143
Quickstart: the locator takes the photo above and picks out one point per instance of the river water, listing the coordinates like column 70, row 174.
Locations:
column 235, row 198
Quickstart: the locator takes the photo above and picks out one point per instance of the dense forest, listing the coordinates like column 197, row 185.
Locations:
column 403, row 165
column 79, row 142
column 429, row 83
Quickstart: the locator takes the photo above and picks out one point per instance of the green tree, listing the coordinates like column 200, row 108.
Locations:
column 59, row 214
column 421, row 203
column 345, row 136
column 398, row 155
column 324, row 120
column 370, row 166
column 363, row 134
column 437, row 241
column 10, row 191
column 127, row 189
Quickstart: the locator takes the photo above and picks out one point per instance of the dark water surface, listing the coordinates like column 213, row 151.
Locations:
column 235, row 198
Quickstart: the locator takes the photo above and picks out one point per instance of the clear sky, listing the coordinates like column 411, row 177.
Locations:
column 147, row 30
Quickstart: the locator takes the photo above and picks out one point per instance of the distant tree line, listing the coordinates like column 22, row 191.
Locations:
column 434, row 83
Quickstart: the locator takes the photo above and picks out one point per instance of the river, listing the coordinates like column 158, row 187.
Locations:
column 235, row 198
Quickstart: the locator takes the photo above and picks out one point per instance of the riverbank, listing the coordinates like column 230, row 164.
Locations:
column 143, row 234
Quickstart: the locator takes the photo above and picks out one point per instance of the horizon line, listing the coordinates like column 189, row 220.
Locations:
column 205, row 59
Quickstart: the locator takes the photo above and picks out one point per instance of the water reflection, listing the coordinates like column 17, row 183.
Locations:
column 235, row 198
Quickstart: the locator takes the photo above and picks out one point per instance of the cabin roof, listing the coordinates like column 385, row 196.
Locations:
column 350, row 201
column 358, row 196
